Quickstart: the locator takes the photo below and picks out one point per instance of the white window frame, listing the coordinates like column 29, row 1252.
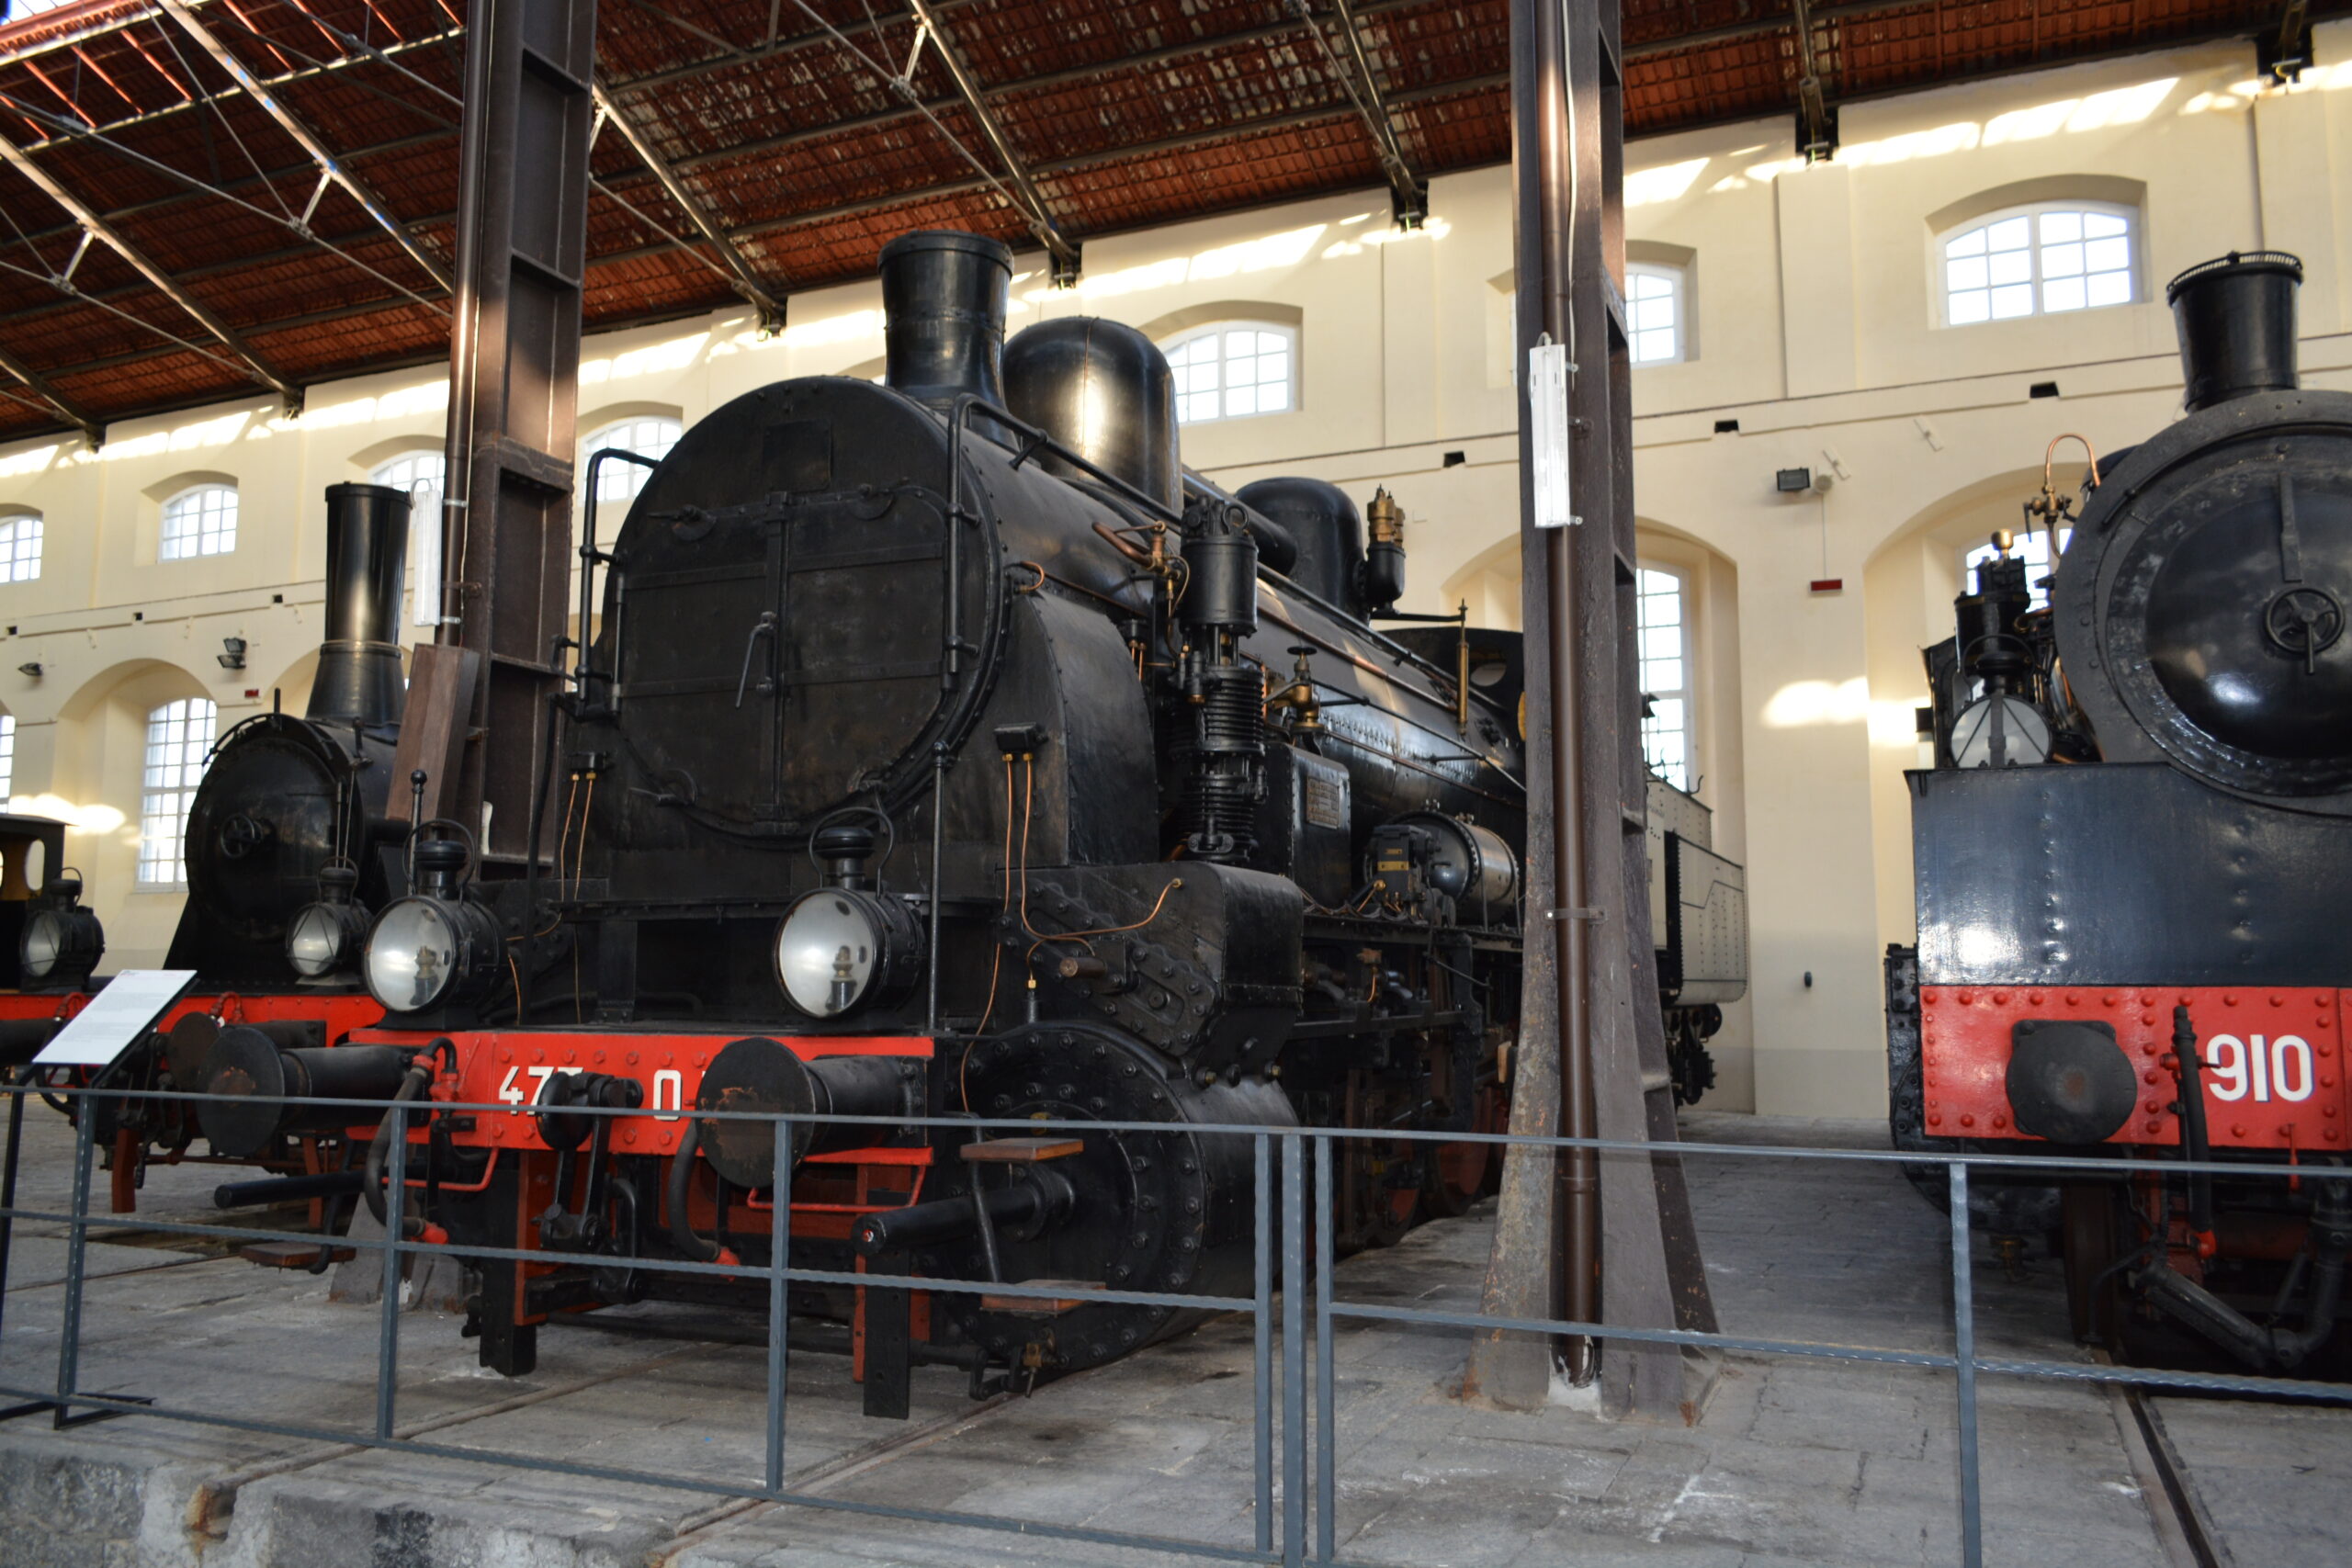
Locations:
column 179, row 740
column 408, row 471
column 1678, row 296
column 1682, row 691
column 1185, row 341
column 647, row 434
column 20, row 548
column 193, row 528
column 1941, row 260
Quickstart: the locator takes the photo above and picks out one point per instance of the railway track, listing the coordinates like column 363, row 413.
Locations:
column 2182, row 1523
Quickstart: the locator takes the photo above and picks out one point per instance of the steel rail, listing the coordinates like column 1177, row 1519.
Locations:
column 329, row 165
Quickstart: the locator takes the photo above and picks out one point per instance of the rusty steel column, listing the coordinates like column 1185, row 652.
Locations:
column 514, row 375
column 1528, row 1273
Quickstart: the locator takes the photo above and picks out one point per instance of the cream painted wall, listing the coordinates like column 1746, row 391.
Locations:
column 1817, row 332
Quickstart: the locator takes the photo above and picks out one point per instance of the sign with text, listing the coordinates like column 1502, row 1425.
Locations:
column 127, row 1008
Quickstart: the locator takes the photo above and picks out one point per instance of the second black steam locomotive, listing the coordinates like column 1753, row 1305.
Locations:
column 2130, row 856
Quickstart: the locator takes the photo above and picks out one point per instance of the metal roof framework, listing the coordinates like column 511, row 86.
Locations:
column 198, row 197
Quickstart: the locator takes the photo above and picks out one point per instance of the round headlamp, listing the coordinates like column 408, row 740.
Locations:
column 326, row 938
column 426, row 953
column 62, row 942
column 842, row 948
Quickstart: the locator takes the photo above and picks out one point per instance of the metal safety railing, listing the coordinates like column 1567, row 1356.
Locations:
column 1296, row 1516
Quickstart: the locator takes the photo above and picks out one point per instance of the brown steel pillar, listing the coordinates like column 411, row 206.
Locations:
column 1525, row 1273
column 1589, row 1019
column 514, row 375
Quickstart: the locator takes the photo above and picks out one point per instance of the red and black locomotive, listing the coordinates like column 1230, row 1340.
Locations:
column 937, row 748
column 2131, row 852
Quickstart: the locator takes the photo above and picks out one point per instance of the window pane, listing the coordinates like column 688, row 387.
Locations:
column 2012, row 266
column 2098, row 225
column 2108, row 255
column 1974, row 306
column 2061, row 260
column 199, row 522
column 2017, row 301
column 2062, row 293
column 1969, row 245
column 1231, row 371
column 20, row 540
column 179, row 736
column 2010, row 235
column 651, row 437
column 1974, row 272
column 2058, row 226
column 2110, row 288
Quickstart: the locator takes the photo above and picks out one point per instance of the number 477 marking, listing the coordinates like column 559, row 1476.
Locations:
column 669, row 1089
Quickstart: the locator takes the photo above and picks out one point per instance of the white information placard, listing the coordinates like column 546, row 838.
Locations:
column 127, row 1008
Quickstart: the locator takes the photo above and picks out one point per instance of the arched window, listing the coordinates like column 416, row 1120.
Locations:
column 178, row 735
column 420, row 473
column 648, row 436
column 2050, row 257
column 1654, row 312
column 201, row 521
column 20, row 547
column 1664, row 675
column 7, row 759
column 1234, row 370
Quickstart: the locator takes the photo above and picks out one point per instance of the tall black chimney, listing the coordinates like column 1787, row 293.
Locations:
column 359, row 662
column 2236, row 320
column 943, row 299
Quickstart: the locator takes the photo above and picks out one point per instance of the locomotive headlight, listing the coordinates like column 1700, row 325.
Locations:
column 327, row 936
column 62, row 942
column 842, row 948
column 426, row 951
column 324, row 937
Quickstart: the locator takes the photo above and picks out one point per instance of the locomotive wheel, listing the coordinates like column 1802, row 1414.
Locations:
column 1460, row 1174
column 1384, row 1209
column 2091, row 1226
column 1168, row 1212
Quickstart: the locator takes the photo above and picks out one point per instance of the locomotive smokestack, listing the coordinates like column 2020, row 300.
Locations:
column 2236, row 320
column 359, row 662
column 944, row 297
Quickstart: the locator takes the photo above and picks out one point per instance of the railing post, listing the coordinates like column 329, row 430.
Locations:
column 387, row 1329
column 1326, row 1526
column 1293, row 1351
column 1262, row 1319
column 779, row 1259
column 77, row 1244
column 1963, row 1305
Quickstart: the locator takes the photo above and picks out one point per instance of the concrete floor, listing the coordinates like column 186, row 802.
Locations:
column 1791, row 1462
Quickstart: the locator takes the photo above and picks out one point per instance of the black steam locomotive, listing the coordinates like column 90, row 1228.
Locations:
column 938, row 748
column 2129, row 852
